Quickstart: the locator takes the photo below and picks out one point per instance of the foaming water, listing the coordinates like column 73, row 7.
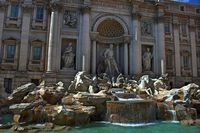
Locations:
column 128, row 124
column 130, row 99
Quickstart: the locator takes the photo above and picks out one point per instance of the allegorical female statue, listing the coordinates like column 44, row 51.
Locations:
column 68, row 57
column 147, row 56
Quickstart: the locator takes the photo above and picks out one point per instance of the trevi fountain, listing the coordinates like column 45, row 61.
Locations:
column 100, row 101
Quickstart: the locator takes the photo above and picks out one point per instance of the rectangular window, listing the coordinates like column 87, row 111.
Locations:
column 198, row 34
column 167, row 27
column 198, row 11
column 37, row 53
column 169, row 60
column 10, row 53
column 184, row 29
column 14, row 11
column 39, row 13
column 8, row 85
column 182, row 8
column 186, row 61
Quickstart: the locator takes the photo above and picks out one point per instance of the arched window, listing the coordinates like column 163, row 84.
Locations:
column 110, row 28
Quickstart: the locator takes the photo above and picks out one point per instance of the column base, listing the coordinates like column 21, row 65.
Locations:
column 50, row 78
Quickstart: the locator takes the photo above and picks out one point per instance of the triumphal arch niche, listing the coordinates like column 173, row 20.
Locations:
column 110, row 54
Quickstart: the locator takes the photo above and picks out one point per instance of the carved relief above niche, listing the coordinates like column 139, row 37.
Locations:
column 71, row 19
column 147, row 28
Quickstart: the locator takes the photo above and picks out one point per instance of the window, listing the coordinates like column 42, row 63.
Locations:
column 39, row 13
column 10, row 53
column 198, row 11
column 8, row 85
column 184, row 29
column 182, row 8
column 169, row 59
column 167, row 27
column 37, row 50
column 14, row 11
column 186, row 61
column 198, row 34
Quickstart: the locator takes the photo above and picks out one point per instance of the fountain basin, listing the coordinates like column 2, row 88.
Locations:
column 138, row 111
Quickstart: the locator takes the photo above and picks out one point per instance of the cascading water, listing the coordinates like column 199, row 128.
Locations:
column 173, row 113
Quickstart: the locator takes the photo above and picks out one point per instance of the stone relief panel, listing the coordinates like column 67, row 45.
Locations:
column 147, row 28
column 68, row 54
column 147, row 58
column 71, row 19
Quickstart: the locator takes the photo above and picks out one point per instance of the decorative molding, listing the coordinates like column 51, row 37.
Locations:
column 71, row 19
column 147, row 28
column 55, row 5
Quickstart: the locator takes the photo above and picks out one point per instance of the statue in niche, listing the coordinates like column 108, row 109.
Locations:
column 110, row 63
column 70, row 19
column 146, row 28
column 68, row 57
column 147, row 57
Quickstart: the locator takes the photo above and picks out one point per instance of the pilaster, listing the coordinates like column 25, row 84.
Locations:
column 23, row 57
column 193, row 47
column 176, row 26
column 2, row 18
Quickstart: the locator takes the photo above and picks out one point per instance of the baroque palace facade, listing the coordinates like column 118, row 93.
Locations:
column 53, row 39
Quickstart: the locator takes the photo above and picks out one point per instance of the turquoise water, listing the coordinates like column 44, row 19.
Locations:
column 150, row 128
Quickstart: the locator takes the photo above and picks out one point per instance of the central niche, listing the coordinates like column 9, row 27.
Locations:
column 110, row 28
column 111, row 33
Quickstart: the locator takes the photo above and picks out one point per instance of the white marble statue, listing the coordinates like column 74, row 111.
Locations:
column 110, row 63
column 68, row 57
column 147, row 56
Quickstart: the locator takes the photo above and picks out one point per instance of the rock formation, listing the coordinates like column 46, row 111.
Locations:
column 99, row 98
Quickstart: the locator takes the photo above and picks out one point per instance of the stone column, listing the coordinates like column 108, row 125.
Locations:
column 23, row 56
column 135, row 48
column 52, row 39
column 177, row 46
column 86, row 37
column 117, row 52
column 126, row 58
column 94, row 50
column 193, row 47
column 160, row 40
column 2, row 14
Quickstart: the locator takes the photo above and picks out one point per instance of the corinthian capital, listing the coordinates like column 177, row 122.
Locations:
column 3, row 4
column 55, row 5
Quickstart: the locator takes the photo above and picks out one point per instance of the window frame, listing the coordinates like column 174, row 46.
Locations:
column 38, row 19
column 16, row 14
column 36, row 61
column 182, row 8
column 12, row 59
column 169, row 27
column 8, row 85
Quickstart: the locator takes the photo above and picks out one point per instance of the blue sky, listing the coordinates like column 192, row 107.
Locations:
column 190, row 1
